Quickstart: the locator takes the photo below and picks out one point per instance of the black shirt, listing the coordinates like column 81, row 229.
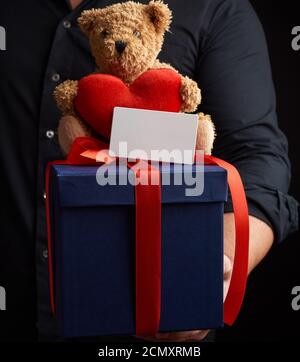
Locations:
column 219, row 43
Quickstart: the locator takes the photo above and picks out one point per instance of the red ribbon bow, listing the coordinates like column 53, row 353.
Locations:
column 88, row 151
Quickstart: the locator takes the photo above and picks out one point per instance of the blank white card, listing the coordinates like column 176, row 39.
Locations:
column 153, row 135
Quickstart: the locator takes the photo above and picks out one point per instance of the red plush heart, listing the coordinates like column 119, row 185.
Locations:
column 98, row 94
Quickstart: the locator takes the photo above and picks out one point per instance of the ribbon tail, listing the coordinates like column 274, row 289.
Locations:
column 236, row 292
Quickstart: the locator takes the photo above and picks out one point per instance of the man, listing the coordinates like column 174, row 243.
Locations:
column 219, row 43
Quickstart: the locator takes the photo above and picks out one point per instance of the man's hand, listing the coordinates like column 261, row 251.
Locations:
column 260, row 242
column 197, row 335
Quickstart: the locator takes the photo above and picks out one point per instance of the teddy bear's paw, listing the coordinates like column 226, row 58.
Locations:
column 206, row 134
column 64, row 95
column 69, row 129
column 190, row 95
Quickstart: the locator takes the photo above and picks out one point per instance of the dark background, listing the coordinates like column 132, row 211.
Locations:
column 267, row 312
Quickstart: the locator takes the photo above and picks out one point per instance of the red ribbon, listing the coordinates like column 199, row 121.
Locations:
column 236, row 291
column 88, row 151
column 148, row 252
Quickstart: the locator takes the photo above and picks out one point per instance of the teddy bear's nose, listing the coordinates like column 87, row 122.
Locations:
column 120, row 46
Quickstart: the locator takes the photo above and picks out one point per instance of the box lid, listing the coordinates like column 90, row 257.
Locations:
column 77, row 186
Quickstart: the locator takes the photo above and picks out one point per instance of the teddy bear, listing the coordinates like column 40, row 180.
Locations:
column 125, row 40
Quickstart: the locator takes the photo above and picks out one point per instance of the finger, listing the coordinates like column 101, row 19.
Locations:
column 176, row 334
column 200, row 336
column 227, row 267
column 186, row 338
column 226, row 285
column 180, row 336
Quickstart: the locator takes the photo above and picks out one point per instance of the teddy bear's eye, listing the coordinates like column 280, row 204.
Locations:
column 104, row 33
column 137, row 33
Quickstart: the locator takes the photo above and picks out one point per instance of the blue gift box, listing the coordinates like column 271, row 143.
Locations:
column 93, row 248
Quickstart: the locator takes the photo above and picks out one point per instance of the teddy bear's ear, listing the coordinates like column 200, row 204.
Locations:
column 87, row 19
column 160, row 15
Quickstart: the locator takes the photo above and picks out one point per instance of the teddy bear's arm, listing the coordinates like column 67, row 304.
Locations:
column 206, row 134
column 190, row 92
column 70, row 125
column 69, row 128
column 158, row 65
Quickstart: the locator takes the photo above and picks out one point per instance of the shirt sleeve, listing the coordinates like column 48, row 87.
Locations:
column 234, row 74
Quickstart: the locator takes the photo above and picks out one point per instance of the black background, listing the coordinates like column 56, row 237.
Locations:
column 267, row 312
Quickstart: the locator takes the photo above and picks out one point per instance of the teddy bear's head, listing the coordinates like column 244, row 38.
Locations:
column 126, row 38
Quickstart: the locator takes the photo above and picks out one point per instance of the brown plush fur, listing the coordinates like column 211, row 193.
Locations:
column 64, row 95
column 206, row 134
column 142, row 28
column 69, row 128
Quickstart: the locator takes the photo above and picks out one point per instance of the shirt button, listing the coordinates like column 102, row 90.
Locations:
column 45, row 254
column 55, row 77
column 45, row 196
column 50, row 134
column 67, row 24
